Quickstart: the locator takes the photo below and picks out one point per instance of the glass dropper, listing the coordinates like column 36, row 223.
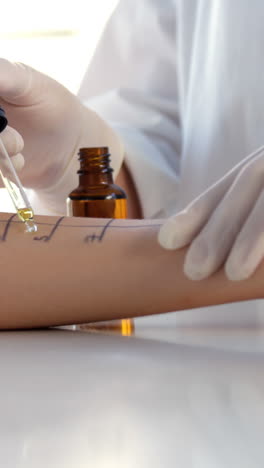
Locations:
column 13, row 184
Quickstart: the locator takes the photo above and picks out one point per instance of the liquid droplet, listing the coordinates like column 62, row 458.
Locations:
column 31, row 226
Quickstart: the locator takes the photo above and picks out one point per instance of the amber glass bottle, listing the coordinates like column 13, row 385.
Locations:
column 98, row 197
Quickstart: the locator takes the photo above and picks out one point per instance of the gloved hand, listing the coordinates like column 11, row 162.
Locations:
column 14, row 144
column 225, row 225
column 54, row 125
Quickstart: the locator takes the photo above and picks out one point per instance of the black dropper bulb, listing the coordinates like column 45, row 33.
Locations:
column 3, row 120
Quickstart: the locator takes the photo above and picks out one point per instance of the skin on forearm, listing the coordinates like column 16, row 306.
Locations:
column 125, row 181
column 76, row 270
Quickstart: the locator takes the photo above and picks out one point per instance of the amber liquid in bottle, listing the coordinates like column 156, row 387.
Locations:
column 98, row 197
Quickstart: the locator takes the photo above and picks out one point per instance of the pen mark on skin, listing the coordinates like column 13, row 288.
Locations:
column 94, row 237
column 91, row 238
column 116, row 226
column 105, row 229
column 55, row 227
column 8, row 224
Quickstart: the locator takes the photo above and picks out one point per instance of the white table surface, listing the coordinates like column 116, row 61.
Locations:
column 166, row 398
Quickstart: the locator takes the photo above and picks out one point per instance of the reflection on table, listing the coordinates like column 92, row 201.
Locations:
column 162, row 398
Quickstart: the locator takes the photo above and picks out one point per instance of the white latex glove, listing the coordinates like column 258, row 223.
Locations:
column 223, row 225
column 14, row 144
column 54, row 125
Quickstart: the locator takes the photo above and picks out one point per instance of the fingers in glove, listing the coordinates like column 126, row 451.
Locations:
column 18, row 161
column 15, row 80
column 181, row 229
column 12, row 140
column 14, row 144
column 248, row 249
column 212, row 246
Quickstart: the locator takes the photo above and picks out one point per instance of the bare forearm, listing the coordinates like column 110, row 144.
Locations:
column 77, row 270
column 125, row 180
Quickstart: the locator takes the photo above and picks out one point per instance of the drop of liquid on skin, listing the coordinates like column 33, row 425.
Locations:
column 31, row 226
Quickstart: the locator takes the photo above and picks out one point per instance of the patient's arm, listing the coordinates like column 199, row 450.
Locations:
column 76, row 270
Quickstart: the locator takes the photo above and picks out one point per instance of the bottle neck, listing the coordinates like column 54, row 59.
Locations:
column 95, row 166
column 94, row 178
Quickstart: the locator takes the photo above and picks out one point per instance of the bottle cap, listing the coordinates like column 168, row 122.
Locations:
column 3, row 120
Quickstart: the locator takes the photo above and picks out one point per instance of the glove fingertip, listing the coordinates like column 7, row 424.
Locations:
column 194, row 274
column 168, row 238
column 237, row 272
column 18, row 161
column 175, row 232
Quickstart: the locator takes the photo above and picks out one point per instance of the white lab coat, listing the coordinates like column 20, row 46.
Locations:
column 182, row 82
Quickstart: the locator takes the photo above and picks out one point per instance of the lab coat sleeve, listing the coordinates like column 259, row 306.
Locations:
column 132, row 83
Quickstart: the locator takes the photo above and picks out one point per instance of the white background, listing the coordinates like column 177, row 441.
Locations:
column 54, row 36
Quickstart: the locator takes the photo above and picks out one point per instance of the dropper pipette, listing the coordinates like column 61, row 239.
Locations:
column 13, row 184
